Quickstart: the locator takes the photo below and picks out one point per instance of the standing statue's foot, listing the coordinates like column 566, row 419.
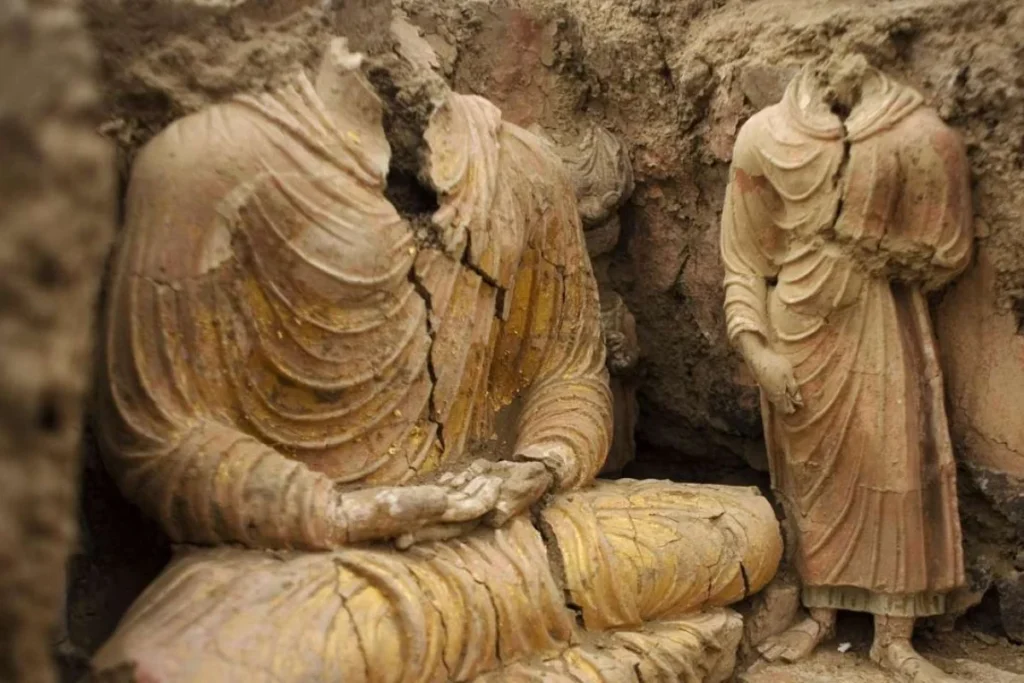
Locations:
column 902, row 659
column 796, row 642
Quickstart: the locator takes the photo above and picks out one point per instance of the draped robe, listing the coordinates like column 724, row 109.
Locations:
column 278, row 335
column 273, row 317
column 831, row 234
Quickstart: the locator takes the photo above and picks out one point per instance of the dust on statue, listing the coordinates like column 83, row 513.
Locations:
column 296, row 383
column 847, row 202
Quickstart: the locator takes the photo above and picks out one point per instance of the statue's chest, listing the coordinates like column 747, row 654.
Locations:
column 378, row 388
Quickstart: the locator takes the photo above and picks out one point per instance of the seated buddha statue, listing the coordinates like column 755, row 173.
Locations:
column 373, row 434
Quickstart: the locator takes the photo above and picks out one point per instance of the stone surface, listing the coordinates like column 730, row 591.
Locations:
column 56, row 216
column 983, row 356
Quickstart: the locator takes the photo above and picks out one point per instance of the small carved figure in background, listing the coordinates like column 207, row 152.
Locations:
column 847, row 202
column 602, row 177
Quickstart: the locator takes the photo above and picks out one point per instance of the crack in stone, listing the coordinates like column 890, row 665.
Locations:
column 666, row 71
column 416, row 203
column 344, row 605
column 988, row 438
column 635, row 538
column 678, row 285
column 467, row 262
column 443, row 654
column 555, row 562
column 497, row 613
column 428, row 302
column 839, row 176
column 866, row 253
column 746, row 581
column 1018, row 311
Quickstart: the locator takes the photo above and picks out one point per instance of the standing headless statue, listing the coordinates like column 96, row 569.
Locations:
column 847, row 202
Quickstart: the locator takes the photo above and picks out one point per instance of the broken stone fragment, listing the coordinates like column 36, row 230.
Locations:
column 770, row 612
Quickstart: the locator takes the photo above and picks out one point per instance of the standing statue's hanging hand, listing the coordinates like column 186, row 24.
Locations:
column 397, row 511
column 773, row 372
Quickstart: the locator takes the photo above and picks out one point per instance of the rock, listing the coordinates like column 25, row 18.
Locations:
column 827, row 664
column 985, row 638
column 169, row 58
column 771, row 612
column 968, row 670
column 763, row 84
column 1011, row 605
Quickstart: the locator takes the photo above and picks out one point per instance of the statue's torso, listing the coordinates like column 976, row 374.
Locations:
column 841, row 196
column 289, row 305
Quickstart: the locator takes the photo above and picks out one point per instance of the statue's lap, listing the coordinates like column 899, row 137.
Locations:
column 625, row 553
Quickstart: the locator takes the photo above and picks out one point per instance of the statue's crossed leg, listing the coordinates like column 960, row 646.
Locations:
column 638, row 561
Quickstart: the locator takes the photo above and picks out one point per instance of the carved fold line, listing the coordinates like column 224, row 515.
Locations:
column 376, row 315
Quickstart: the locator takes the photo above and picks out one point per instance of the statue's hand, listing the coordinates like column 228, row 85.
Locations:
column 396, row 511
column 472, row 494
column 488, row 492
column 774, row 374
column 522, row 485
column 557, row 458
column 621, row 357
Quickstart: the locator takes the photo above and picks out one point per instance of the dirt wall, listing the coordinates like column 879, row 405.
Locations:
column 56, row 218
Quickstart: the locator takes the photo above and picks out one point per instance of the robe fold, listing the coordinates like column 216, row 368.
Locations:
column 272, row 317
column 832, row 231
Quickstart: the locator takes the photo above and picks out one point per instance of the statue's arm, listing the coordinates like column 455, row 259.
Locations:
column 212, row 484
column 747, row 232
column 566, row 419
column 567, row 414
column 747, row 264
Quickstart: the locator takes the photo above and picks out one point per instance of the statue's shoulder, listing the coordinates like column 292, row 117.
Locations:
column 924, row 127
column 772, row 127
column 761, row 121
column 178, row 183
column 209, row 140
column 755, row 134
